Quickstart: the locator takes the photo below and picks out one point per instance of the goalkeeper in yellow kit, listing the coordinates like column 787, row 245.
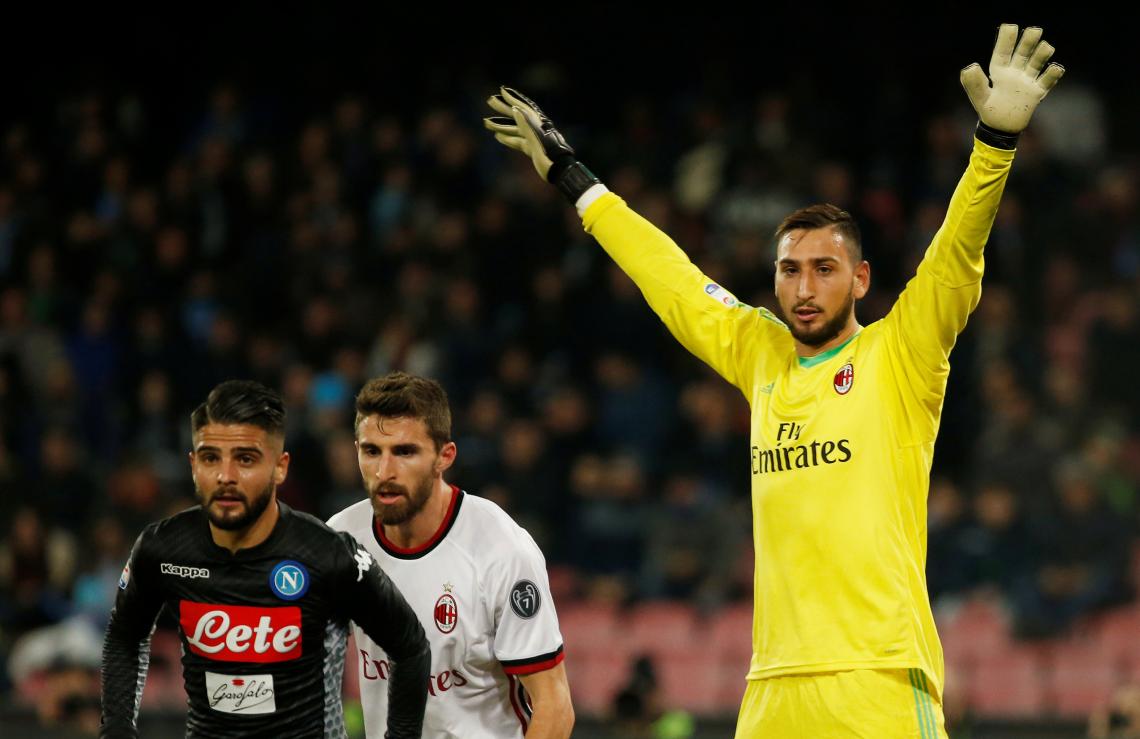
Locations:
column 844, row 416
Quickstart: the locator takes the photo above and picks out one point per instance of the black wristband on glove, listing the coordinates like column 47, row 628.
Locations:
column 995, row 138
column 572, row 178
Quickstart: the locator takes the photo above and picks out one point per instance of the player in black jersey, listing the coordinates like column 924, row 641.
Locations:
column 262, row 594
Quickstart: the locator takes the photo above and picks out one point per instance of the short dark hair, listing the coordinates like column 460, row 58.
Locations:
column 244, row 402
column 824, row 215
column 401, row 395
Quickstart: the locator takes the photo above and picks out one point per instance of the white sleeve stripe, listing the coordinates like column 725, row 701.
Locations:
column 144, row 667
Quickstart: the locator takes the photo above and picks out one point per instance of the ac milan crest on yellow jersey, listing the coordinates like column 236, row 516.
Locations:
column 844, row 379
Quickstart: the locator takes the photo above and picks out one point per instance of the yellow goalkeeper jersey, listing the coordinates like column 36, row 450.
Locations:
column 841, row 443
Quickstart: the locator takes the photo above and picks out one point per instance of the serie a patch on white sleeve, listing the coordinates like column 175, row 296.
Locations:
column 720, row 295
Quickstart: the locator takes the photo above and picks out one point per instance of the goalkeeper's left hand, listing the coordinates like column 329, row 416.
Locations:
column 524, row 127
column 1016, row 85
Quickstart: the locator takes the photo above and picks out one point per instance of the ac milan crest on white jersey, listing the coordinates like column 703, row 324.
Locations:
column 446, row 612
column 481, row 591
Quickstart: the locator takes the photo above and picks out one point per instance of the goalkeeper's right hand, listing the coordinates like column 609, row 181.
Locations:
column 527, row 129
column 1017, row 83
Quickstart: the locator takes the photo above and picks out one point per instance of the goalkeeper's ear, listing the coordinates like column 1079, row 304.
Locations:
column 862, row 280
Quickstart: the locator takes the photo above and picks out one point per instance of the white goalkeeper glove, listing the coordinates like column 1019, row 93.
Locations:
column 1016, row 85
column 524, row 127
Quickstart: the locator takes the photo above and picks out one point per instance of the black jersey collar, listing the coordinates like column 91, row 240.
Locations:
column 284, row 514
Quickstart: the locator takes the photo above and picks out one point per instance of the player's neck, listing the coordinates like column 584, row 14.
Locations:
column 420, row 528
column 250, row 536
column 803, row 351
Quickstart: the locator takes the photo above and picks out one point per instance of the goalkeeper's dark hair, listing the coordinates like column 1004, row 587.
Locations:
column 401, row 395
column 242, row 402
column 825, row 215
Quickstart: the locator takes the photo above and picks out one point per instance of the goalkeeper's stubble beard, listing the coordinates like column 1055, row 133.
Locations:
column 819, row 335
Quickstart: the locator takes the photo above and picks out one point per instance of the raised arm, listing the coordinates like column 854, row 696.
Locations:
column 925, row 322
column 708, row 320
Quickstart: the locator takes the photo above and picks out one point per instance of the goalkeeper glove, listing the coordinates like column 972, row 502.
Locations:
column 1016, row 86
column 526, row 128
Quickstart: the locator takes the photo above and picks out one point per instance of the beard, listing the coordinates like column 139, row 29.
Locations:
column 825, row 332
column 413, row 501
column 240, row 517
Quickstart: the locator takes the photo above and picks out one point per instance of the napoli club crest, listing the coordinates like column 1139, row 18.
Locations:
column 289, row 580
column 844, row 379
column 446, row 613
column 524, row 599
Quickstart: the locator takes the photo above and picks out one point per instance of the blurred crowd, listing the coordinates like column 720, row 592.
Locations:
column 140, row 266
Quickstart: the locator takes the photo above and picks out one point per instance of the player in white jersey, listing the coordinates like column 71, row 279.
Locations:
column 476, row 578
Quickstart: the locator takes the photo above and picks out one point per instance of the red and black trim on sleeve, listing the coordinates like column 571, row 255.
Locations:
column 531, row 665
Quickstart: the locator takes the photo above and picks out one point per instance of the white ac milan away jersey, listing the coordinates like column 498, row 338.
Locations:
column 480, row 588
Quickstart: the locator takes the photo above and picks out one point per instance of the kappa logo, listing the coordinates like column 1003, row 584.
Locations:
column 844, row 379
column 363, row 562
column 167, row 568
column 289, row 580
column 525, row 599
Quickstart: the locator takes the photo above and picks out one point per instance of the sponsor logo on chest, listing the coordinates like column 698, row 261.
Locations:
column 240, row 693
column 792, row 453
column 438, row 683
column 241, row 633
